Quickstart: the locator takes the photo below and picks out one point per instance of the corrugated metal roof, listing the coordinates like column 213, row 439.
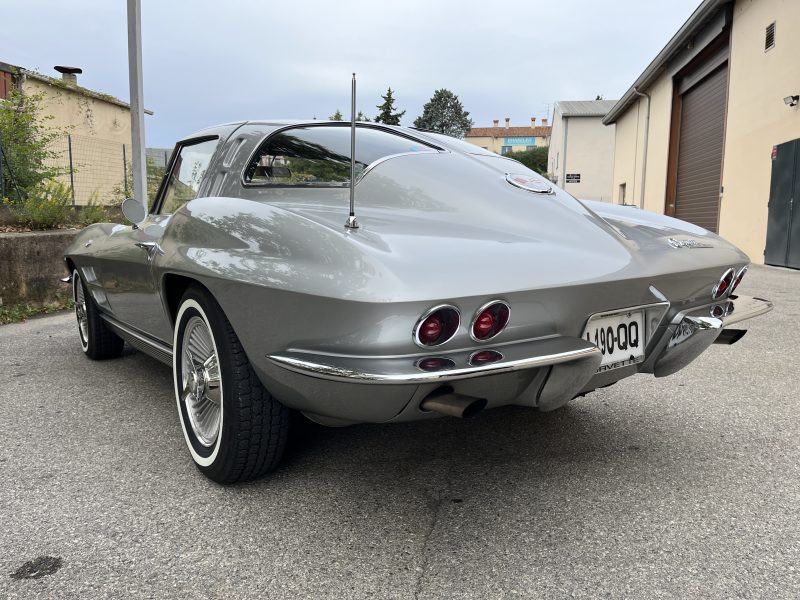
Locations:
column 584, row 108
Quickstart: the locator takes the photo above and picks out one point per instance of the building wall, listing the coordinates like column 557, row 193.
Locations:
column 757, row 117
column 98, row 131
column 629, row 140
column 588, row 151
column 495, row 144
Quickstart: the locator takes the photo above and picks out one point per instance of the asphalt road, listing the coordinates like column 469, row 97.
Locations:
column 683, row 487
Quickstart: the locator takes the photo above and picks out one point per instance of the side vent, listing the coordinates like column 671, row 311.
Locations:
column 769, row 37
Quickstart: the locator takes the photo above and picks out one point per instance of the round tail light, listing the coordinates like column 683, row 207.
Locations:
column 724, row 285
column 738, row 279
column 437, row 326
column 489, row 320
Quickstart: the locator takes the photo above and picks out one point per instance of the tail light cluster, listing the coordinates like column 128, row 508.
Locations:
column 439, row 324
column 489, row 320
column 729, row 281
column 723, row 285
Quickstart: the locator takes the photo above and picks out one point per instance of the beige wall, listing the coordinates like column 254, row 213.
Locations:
column 495, row 144
column 629, row 142
column 588, row 150
column 757, row 118
column 98, row 130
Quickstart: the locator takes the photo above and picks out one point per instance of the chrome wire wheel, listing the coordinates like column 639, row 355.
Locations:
column 201, row 382
column 79, row 297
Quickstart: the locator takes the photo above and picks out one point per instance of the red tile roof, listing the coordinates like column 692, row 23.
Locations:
column 509, row 132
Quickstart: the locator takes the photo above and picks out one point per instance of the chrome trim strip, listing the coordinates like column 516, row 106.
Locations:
column 555, row 353
column 477, row 314
column 428, row 313
column 746, row 307
column 156, row 346
column 383, row 159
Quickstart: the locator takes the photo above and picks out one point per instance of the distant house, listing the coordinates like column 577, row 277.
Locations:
column 581, row 155
column 709, row 132
column 503, row 140
column 97, row 142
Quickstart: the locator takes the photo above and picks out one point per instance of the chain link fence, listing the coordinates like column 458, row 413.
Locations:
column 99, row 171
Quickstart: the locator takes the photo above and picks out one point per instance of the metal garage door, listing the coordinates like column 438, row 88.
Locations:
column 702, row 133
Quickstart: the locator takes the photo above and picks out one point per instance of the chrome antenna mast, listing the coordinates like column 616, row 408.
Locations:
column 352, row 223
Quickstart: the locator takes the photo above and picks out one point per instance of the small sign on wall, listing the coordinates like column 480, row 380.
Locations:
column 573, row 177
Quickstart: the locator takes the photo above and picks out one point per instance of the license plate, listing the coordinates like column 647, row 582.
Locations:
column 619, row 336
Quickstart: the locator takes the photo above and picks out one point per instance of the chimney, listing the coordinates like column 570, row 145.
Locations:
column 508, row 121
column 496, row 122
column 544, row 122
column 533, row 122
column 69, row 74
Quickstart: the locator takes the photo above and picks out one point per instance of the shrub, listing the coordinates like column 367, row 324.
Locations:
column 45, row 207
column 93, row 212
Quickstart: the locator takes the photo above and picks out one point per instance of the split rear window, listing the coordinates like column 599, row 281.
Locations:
column 319, row 155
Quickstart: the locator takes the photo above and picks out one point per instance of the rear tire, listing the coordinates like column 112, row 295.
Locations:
column 234, row 428
column 98, row 342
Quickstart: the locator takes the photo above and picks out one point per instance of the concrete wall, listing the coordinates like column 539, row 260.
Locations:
column 583, row 145
column 757, row 116
column 31, row 265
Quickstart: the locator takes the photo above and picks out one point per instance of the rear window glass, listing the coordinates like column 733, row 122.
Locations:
column 320, row 155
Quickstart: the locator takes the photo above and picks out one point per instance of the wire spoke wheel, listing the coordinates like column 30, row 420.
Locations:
column 201, row 382
column 80, row 311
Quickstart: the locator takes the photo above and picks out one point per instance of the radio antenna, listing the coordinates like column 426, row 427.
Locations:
column 352, row 223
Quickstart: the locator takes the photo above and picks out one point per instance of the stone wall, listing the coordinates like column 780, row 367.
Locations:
column 31, row 265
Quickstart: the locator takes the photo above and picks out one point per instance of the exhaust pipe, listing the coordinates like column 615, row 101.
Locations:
column 446, row 402
column 730, row 336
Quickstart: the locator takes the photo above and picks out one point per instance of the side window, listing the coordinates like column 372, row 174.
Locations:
column 320, row 155
column 183, row 181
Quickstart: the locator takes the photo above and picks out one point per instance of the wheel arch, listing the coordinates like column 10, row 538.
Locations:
column 174, row 286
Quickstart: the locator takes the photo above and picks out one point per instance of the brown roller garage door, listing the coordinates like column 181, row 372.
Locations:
column 702, row 132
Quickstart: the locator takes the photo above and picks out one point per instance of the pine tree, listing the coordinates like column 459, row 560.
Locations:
column 386, row 114
column 444, row 114
column 337, row 116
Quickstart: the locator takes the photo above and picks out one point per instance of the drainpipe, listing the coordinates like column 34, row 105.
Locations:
column 644, row 153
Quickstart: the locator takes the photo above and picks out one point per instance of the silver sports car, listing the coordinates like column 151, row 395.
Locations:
column 462, row 281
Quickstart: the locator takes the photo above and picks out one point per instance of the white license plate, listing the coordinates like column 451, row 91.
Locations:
column 620, row 337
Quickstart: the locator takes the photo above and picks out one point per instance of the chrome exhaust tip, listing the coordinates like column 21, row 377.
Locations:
column 447, row 402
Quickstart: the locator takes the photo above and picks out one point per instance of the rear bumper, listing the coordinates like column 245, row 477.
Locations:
column 544, row 373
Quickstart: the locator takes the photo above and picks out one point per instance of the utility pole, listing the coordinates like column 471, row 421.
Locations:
column 137, row 101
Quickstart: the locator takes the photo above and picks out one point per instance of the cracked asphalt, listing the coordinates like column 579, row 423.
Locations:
column 682, row 487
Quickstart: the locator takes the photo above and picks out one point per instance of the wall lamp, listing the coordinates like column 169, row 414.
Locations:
column 791, row 100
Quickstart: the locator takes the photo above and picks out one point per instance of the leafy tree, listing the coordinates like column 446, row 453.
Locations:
column 387, row 114
column 444, row 114
column 535, row 159
column 26, row 142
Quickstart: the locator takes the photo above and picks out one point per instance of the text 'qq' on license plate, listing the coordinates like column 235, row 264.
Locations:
column 620, row 337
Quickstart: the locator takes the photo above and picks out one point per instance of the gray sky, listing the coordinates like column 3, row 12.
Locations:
column 208, row 62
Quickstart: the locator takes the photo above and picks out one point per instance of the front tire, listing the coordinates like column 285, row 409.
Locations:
column 234, row 429
column 98, row 342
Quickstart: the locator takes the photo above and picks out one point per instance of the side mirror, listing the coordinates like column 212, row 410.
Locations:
column 133, row 211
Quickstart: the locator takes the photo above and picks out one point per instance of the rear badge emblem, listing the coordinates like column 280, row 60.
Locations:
column 676, row 243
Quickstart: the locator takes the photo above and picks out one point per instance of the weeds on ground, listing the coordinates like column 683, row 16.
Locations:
column 44, row 207
column 17, row 313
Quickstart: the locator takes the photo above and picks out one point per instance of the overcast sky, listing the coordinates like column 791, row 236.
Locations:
column 208, row 62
